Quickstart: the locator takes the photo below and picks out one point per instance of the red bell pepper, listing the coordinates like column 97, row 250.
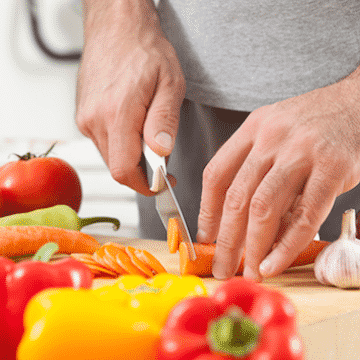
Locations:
column 19, row 282
column 242, row 320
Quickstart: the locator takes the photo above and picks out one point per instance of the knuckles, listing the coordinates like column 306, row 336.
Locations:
column 122, row 174
column 305, row 219
column 235, row 201
column 260, row 208
column 211, row 175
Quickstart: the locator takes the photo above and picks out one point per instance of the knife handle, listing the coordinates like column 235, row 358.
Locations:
column 155, row 161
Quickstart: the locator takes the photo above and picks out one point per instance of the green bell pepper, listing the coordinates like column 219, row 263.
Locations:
column 60, row 216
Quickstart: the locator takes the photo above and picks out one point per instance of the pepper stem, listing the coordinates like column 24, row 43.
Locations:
column 233, row 334
column 45, row 253
column 92, row 220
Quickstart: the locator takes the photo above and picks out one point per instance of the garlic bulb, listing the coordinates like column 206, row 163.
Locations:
column 339, row 263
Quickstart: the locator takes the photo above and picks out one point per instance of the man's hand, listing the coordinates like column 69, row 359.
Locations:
column 277, row 177
column 130, row 86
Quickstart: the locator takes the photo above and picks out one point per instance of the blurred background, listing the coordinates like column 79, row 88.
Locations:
column 40, row 45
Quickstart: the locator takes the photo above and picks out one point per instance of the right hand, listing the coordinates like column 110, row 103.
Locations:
column 130, row 87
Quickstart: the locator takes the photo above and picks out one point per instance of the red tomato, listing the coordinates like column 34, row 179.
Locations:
column 38, row 182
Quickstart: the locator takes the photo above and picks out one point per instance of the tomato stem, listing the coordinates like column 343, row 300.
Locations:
column 29, row 155
column 49, row 151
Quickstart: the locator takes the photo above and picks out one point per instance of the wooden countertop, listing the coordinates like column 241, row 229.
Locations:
column 328, row 317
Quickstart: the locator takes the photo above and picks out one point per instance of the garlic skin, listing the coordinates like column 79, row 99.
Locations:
column 339, row 263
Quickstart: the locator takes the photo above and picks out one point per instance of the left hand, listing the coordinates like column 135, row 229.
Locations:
column 277, row 177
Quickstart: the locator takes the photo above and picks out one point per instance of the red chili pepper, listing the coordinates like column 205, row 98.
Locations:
column 19, row 282
column 242, row 320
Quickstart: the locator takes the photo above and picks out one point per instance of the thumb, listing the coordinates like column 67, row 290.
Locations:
column 162, row 119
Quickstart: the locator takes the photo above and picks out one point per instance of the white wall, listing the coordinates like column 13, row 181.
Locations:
column 37, row 106
column 37, row 94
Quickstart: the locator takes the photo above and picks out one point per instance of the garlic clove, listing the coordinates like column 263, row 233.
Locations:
column 339, row 263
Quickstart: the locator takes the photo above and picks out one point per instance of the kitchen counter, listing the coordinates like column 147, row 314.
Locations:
column 328, row 317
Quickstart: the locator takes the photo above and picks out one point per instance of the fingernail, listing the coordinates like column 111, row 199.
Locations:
column 265, row 268
column 164, row 139
column 201, row 236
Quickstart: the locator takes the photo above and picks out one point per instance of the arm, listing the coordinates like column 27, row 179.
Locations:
column 130, row 86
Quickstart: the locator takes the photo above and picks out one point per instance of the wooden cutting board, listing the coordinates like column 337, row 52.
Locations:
column 328, row 317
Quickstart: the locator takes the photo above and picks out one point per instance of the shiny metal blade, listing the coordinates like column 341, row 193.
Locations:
column 168, row 207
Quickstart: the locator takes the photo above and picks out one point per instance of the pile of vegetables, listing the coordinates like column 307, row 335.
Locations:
column 162, row 318
column 49, row 311
column 39, row 200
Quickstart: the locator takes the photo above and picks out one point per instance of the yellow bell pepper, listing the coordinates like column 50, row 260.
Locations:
column 120, row 321
column 154, row 297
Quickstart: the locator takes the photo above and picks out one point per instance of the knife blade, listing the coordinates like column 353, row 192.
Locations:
column 166, row 203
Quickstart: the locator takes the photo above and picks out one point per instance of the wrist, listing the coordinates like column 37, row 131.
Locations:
column 124, row 13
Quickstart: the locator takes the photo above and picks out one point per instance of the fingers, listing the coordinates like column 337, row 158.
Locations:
column 311, row 210
column 162, row 119
column 217, row 178
column 234, row 221
column 117, row 126
column 268, row 209
column 124, row 144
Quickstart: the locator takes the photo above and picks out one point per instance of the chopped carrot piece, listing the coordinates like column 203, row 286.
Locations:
column 150, row 260
column 173, row 235
column 202, row 266
column 99, row 257
column 110, row 253
column 123, row 259
column 137, row 262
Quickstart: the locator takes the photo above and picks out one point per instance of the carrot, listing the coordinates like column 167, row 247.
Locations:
column 100, row 257
column 99, row 270
column 113, row 258
column 309, row 255
column 84, row 258
column 110, row 251
column 173, row 235
column 137, row 262
column 96, row 268
column 150, row 260
column 123, row 259
column 21, row 240
column 202, row 266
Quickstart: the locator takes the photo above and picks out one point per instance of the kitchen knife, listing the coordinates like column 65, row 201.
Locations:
column 166, row 203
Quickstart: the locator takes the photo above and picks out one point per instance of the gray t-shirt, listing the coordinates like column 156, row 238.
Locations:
column 243, row 54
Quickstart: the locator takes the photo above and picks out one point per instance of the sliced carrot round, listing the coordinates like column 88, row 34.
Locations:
column 137, row 262
column 173, row 235
column 150, row 260
column 100, row 270
column 110, row 253
column 85, row 261
column 114, row 244
column 99, row 258
column 123, row 259
column 83, row 257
